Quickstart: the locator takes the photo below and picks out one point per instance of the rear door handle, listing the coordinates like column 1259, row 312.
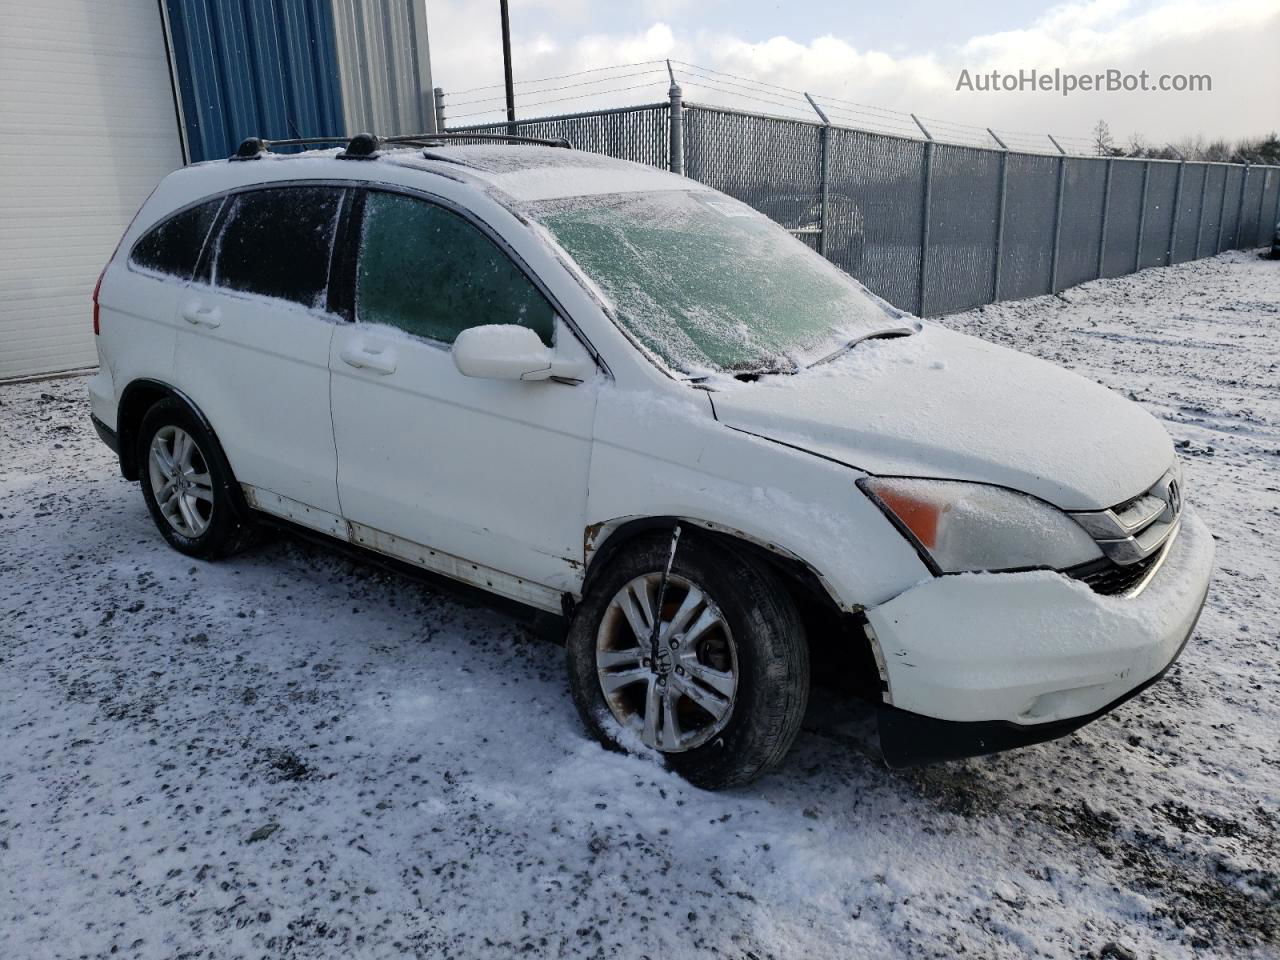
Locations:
column 381, row 361
column 197, row 313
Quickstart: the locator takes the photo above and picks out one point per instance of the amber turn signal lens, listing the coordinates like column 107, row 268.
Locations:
column 917, row 515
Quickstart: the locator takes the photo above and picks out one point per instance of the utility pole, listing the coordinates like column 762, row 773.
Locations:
column 506, row 67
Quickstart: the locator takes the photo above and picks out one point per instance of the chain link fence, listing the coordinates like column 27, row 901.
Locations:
column 935, row 227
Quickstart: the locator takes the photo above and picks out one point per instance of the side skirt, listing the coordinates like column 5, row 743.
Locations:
column 416, row 554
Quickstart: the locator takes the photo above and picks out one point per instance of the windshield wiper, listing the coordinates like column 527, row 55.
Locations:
column 889, row 334
column 751, row 376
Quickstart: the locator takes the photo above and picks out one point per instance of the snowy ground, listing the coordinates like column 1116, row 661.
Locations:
column 294, row 754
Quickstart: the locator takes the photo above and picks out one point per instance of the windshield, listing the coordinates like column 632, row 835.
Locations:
column 708, row 284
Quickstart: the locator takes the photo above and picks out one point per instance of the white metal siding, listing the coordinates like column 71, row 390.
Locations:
column 87, row 129
column 385, row 66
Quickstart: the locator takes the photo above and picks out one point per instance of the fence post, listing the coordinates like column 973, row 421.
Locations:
column 1204, row 186
column 1004, row 189
column 1142, row 216
column 439, row 98
column 926, row 202
column 676, row 162
column 1244, row 182
column 824, row 145
column 1222, row 210
column 1106, row 207
column 1057, row 217
column 1177, row 211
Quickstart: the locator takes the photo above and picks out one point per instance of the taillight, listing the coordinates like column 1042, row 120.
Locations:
column 97, row 329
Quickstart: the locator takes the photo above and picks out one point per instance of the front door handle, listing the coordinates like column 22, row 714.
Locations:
column 381, row 361
column 197, row 313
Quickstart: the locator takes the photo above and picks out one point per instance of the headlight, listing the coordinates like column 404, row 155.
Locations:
column 971, row 526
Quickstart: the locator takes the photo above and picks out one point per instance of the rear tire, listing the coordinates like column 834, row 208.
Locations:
column 188, row 485
column 725, row 732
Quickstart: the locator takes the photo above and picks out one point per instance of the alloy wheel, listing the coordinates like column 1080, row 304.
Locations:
column 180, row 481
column 681, row 695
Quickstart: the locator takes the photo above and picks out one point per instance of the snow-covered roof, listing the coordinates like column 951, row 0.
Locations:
column 530, row 173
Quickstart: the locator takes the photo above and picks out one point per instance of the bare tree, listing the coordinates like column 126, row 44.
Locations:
column 1138, row 146
column 1104, row 144
column 1192, row 147
column 1215, row 150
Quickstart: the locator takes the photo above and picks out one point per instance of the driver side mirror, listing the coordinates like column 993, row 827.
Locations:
column 502, row 351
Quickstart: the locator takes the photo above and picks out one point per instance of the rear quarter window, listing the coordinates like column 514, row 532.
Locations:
column 173, row 247
column 277, row 242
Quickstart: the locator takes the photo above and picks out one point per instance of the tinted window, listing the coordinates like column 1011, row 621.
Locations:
column 430, row 272
column 276, row 243
column 174, row 246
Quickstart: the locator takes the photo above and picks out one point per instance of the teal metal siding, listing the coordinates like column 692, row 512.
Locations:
column 266, row 68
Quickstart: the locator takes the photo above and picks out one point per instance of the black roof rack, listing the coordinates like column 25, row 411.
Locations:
column 364, row 146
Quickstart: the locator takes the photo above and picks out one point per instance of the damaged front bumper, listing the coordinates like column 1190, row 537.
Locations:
column 978, row 663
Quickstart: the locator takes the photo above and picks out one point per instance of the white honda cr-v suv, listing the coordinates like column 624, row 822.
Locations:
column 613, row 394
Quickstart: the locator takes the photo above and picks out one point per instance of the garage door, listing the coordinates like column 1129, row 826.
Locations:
column 87, row 129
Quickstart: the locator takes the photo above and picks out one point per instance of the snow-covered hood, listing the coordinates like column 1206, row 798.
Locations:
column 944, row 405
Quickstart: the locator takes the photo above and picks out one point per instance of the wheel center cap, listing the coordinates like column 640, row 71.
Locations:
column 662, row 666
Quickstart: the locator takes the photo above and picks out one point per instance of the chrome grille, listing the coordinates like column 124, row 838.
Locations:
column 1137, row 528
column 1109, row 578
column 1132, row 536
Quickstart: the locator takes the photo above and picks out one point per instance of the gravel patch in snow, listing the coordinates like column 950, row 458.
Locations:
column 296, row 754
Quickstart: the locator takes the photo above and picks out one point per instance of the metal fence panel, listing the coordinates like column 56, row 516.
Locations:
column 964, row 206
column 1081, row 232
column 772, row 164
column 1030, row 209
column 639, row 134
column 1123, row 212
column 878, row 181
column 1162, row 184
column 1188, row 213
column 1215, row 175
column 1249, row 232
column 1231, row 208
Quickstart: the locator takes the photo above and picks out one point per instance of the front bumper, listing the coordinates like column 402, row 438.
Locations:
column 977, row 663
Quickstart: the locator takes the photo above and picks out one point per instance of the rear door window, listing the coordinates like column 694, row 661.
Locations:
column 277, row 243
column 432, row 273
column 173, row 248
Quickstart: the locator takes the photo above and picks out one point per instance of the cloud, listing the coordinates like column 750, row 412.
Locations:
column 1234, row 41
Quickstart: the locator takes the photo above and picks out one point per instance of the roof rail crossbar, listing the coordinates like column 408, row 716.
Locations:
column 252, row 147
column 439, row 139
column 364, row 146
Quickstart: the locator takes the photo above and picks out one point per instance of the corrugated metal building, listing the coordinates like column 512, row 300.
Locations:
column 98, row 101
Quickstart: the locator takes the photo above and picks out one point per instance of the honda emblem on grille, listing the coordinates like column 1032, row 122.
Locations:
column 1175, row 497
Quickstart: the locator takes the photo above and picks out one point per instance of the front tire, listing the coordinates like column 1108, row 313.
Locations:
column 724, row 698
column 188, row 485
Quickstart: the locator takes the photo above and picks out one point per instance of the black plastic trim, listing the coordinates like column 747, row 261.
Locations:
column 340, row 289
column 912, row 740
column 106, row 435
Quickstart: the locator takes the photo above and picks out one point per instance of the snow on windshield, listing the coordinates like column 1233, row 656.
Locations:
column 709, row 285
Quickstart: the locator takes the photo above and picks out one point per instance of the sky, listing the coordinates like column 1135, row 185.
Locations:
column 870, row 64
